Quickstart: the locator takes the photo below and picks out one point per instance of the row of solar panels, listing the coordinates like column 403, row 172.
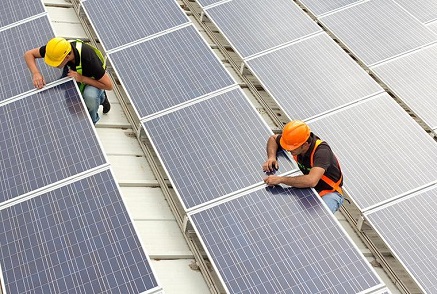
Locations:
column 211, row 142
column 313, row 79
column 63, row 225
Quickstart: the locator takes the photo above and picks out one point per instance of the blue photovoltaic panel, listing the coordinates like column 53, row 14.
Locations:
column 412, row 78
column 318, row 7
column 254, row 26
column 372, row 36
column 45, row 138
column 282, row 240
column 75, row 239
column 311, row 77
column 408, row 228
column 16, row 10
column 212, row 148
column 120, row 22
column 383, row 152
column 169, row 70
column 16, row 77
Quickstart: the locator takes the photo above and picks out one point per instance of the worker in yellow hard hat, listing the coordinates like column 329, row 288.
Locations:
column 80, row 61
column 320, row 168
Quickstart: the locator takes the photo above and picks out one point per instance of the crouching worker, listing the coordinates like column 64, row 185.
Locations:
column 315, row 159
column 84, row 63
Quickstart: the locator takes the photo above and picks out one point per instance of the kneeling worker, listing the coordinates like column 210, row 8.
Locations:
column 315, row 159
column 84, row 63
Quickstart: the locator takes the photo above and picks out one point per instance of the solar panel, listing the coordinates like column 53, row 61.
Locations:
column 255, row 26
column 412, row 78
column 45, row 138
column 383, row 152
column 282, row 240
column 408, row 228
column 17, row 10
column 424, row 10
column 372, row 36
column 318, row 7
column 16, row 78
column 311, row 77
column 75, row 239
column 120, row 22
column 169, row 70
column 204, row 3
column 212, row 148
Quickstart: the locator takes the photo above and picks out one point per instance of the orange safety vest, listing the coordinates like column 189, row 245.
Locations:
column 334, row 185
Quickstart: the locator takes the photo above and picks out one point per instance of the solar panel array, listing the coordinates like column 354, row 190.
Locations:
column 64, row 227
column 375, row 156
column 366, row 129
column 114, row 21
column 212, row 148
column 26, row 35
column 372, row 36
column 312, row 77
column 18, row 10
column 408, row 227
column 208, row 137
column 175, row 68
column 271, row 241
column 250, row 29
column 49, row 202
column 77, row 238
column 39, row 147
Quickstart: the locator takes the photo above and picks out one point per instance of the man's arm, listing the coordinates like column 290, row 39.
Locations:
column 30, row 57
column 103, row 83
column 304, row 181
column 272, row 149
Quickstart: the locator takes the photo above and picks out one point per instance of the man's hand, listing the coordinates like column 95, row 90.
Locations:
column 273, row 180
column 38, row 80
column 75, row 75
column 270, row 165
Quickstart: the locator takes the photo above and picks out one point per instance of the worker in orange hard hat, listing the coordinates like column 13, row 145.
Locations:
column 84, row 63
column 320, row 168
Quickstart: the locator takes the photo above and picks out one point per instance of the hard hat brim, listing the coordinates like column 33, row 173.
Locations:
column 53, row 62
column 287, row 147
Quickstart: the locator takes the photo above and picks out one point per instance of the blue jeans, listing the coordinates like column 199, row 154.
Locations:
column 93, row 98
column 334, row 200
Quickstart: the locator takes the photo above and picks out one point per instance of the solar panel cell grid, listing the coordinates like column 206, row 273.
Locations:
column 255, row 26
column 408, row 228
column 169, row 70
column 412, row 78
column 17, row 10
column 281, row 240
column 318, row 7
column 383, row 152
column 16, row 78
column 212, row 148
column 44, row 138
column 311, row 77
column 75, row 239
column 120, row 22
column 372, row 36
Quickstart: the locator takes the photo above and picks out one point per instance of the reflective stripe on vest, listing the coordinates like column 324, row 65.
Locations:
column 79, row 67
column 335, row 185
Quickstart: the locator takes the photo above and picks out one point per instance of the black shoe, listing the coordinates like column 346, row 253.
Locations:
column 106, row 105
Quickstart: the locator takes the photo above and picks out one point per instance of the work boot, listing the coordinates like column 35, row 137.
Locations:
column 106, row 104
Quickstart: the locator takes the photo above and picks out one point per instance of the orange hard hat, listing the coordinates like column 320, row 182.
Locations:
column 56, row 51
column 294, row 134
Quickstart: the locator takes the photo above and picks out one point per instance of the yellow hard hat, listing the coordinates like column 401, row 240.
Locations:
column 56, row 51
column 294, row 134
